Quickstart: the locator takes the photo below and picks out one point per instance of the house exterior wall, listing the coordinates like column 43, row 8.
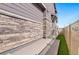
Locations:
column 55, row 29
column 25, row 10
column 27, row 26
column 50, row 26
column 13, row 31
column 50, row 7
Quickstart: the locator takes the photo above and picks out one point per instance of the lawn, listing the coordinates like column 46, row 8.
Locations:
column 63, row 48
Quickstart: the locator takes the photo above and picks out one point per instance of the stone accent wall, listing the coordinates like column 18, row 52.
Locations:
column 14, row 30
column 48, row 28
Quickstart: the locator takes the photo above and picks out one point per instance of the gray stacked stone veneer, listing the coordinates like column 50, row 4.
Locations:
column 14, row 29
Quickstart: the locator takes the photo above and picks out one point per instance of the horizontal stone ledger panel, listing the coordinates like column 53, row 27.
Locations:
column 15, row 32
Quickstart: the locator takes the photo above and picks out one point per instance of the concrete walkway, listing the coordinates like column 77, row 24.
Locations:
column 54, row 48
column 32, row 48
column 41, row 46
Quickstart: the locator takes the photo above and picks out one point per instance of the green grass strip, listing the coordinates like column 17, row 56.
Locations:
column 63, row 48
